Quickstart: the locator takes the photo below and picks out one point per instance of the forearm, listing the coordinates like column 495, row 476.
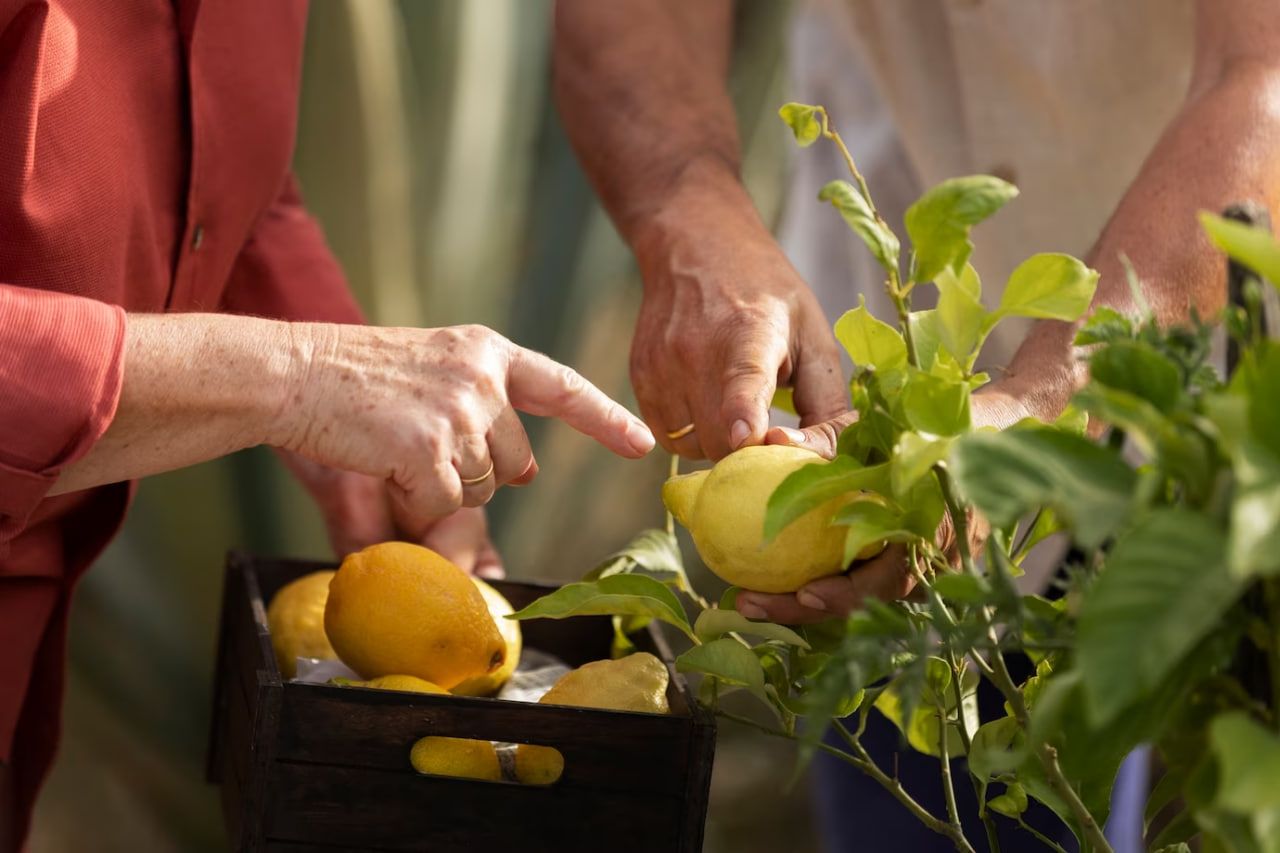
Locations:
column 1223, row 147
column 196, row 387
column 641, row 88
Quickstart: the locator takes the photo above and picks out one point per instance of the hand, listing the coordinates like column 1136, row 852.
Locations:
column 358, row 512
column 432, row 413
column 725, row 320
column 887, row 576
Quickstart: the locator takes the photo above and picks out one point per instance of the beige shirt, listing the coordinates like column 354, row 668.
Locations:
column 1063, row 97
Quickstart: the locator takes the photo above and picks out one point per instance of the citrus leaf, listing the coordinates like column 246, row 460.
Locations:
column 966, row 589
column 616, row 595
column 727, row 660
column 814, row 485
column 652, row 552
column 961, row 317
column 1248, row 763
column 939, row 221
column 717, row 622
column 1138, row 369
column 1009, row 474
column 996, row 748
column 1253, row 247
column 936, row 405
column 913, row 456
column 860, row 218
column 870, row 342
column 1048, row 286
column 803, row 121
column 869, row 523
column 1012, row 803
column 1164, row 586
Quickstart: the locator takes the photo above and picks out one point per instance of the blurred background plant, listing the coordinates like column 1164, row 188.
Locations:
column 429, row 148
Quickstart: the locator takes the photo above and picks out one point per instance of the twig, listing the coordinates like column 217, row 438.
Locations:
column 862, row 758
column 944, row 762
column 959, row 520
column 674, row 470
column 1043, row 839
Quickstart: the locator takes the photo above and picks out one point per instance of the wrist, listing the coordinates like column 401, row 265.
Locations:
column 707, row 194
column 297, row 364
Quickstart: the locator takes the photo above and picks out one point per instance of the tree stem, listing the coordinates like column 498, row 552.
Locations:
column 944, row 762
column 959, row 520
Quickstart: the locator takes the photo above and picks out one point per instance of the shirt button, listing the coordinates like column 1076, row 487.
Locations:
column 197, row 236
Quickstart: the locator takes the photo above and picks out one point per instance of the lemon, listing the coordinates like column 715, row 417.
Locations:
column 407, row 683
column 637, row 682
column 397, row 608
column 296, row 620
column 458, row 757
column 499, row 607
column 724, row 508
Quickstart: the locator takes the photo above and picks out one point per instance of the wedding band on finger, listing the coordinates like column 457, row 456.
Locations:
column 676, row 434
column 475, row 481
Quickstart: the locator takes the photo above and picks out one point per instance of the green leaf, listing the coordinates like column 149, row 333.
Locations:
column 913, row 457
column 717, row 622
column 966, row 589
column 913, row 707
column 1255, row 510
column 1104, row 326
column 939, row 222
column 1263, row 383
column 961, row 317
column 814, row 485
column 729, row 661
column 860, row 218
column 1137, row 368
column 926, row 331
column 1048, row 286
column 654, row 553
column 870, row 342
column 998, row 747
column 1009, row 474
column 1012, row 803
column 869, row 523
column 1253, row 247
column 936, row 405
column 616, row 595
column 1164, row 586
column 803, row 121
column 1248, row 763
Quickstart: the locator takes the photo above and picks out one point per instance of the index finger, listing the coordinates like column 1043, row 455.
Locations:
column 541, row 386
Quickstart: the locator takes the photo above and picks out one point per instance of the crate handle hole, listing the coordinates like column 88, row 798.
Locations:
column 472, row 758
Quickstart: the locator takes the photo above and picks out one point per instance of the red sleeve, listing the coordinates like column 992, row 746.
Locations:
column 61, row 365
column 286, row 270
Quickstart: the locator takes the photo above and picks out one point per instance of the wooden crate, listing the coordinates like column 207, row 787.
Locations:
column 315, row 767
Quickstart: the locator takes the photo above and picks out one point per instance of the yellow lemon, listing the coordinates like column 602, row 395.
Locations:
column 499, row 607
column 637, row 682
column 724, row 508
column 397, row 608
column 459, row 757
column 296, row 620
column 407, row 683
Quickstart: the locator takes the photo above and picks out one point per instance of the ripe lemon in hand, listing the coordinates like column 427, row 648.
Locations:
column 637, row 682
column 397, row 608
column 499, row 607
column 724, row 508
column 459, row 757
column 296, row 620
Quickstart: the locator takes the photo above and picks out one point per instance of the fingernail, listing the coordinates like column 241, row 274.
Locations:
column 751, row 611
column 794, row 436
column 739, row 433
column 639, row 437
column 810, row 600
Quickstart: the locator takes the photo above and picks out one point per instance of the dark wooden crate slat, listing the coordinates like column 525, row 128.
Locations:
column 402, row 811
column 376, row 729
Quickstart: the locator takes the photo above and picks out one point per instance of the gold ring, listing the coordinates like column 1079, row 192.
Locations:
column 475, row 481
column 680, row 433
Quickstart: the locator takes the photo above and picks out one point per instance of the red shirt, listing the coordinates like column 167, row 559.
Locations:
column 144, row 167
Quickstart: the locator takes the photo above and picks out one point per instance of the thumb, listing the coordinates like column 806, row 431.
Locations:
column 820, row 438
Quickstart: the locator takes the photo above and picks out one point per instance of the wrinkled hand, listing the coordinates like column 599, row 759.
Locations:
column 432, row 413
column 725, row 320
column 887, row 576
column 358, row 512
